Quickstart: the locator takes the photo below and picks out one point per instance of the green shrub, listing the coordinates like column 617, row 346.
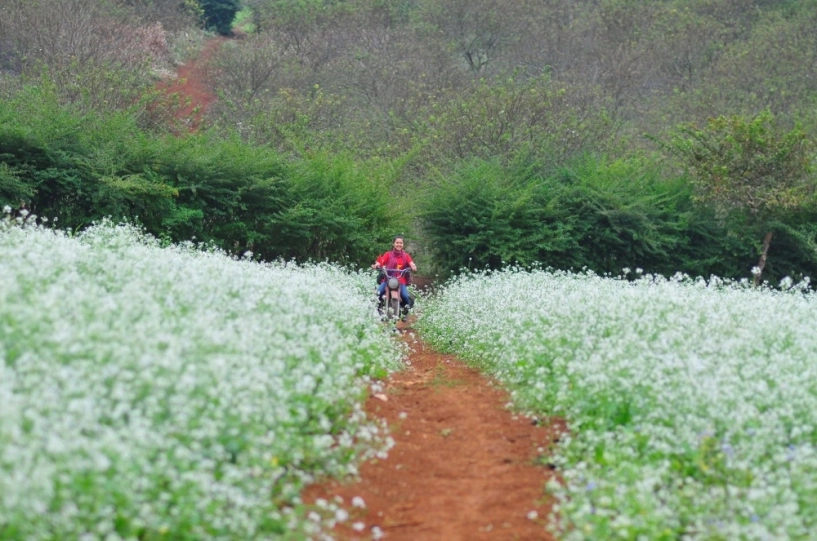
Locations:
column 211, row 187
column 603, row 215
column 73, row 166
column 219, row 14
column 486, row 215
column 338, row 209
column 625, row 214
column 243, row 197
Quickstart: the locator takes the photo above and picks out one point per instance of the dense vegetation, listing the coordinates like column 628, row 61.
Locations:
column 167, row 392
column 488, row 130
column 81, row 168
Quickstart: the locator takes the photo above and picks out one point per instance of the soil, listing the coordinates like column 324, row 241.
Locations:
column 464, row 467
column 188, row 96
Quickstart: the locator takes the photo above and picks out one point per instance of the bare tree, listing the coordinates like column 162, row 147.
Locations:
column 94, row 51
column 175, row 15
column 54, row 31
column 59, row 32
column 305, row 29
column 246, row 70
column 476, row 30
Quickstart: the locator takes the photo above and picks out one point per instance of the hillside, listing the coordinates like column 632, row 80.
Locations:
column 497, row 99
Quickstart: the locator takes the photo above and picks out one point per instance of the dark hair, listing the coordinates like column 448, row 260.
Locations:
column 398, row 237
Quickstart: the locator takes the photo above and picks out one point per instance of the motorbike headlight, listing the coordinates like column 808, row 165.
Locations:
column 394, row 283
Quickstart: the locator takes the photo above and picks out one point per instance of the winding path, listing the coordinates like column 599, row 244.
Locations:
column 464, row 467
column 188, row 96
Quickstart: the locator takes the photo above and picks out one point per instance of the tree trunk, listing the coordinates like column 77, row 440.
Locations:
column 767, row 240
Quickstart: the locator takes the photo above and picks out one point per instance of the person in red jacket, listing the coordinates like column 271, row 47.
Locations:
column 396, row 259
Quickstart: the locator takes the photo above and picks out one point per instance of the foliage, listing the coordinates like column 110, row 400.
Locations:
column 481, row 211
column 219, row 14
column 749, row 171
column 485, row 215
column 627, row 214
column 338, row 207
column 746, row 166
column 243, row 21
column 391, row 84
column 80, row 168
column 499, row 119
column 601, row 215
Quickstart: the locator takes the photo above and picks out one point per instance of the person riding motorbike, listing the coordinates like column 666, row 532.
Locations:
column 397, row 260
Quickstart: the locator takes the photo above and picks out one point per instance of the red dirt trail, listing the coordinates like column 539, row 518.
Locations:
column 463, row 466
column 188, row 96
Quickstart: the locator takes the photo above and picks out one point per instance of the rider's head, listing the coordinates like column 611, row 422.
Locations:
column 397, row 242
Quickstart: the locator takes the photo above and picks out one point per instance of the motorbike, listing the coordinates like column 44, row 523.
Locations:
column 394, row 307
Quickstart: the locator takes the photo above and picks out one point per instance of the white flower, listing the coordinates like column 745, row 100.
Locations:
column 119, row 331
column 652, row 374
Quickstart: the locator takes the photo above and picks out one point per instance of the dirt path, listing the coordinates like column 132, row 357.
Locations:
column 463, row 467
column 187, row 96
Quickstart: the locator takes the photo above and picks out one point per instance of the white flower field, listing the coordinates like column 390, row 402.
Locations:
column 151, row 392
column 172, row 392
column 691, row 404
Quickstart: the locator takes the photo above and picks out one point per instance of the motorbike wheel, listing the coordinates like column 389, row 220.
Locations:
column 393, row 310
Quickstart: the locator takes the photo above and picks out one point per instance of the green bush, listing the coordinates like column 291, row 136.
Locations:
column 338, row 209
column 214, row 188
column 625, row 214
column 248, row 198
column 518, row 207
column 72, row 166
column 592, row 213
column 219, row 14
column 486, row 215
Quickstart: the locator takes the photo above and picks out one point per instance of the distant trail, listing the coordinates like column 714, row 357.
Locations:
column 187, row 94
column 462, row 467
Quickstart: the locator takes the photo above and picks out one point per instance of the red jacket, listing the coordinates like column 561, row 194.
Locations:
column 394, row 260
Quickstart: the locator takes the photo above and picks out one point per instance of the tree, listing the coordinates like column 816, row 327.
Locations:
column 219, row 14
column 175, row 15
column 99, row 56
column 476, row 30
column 750, row 171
